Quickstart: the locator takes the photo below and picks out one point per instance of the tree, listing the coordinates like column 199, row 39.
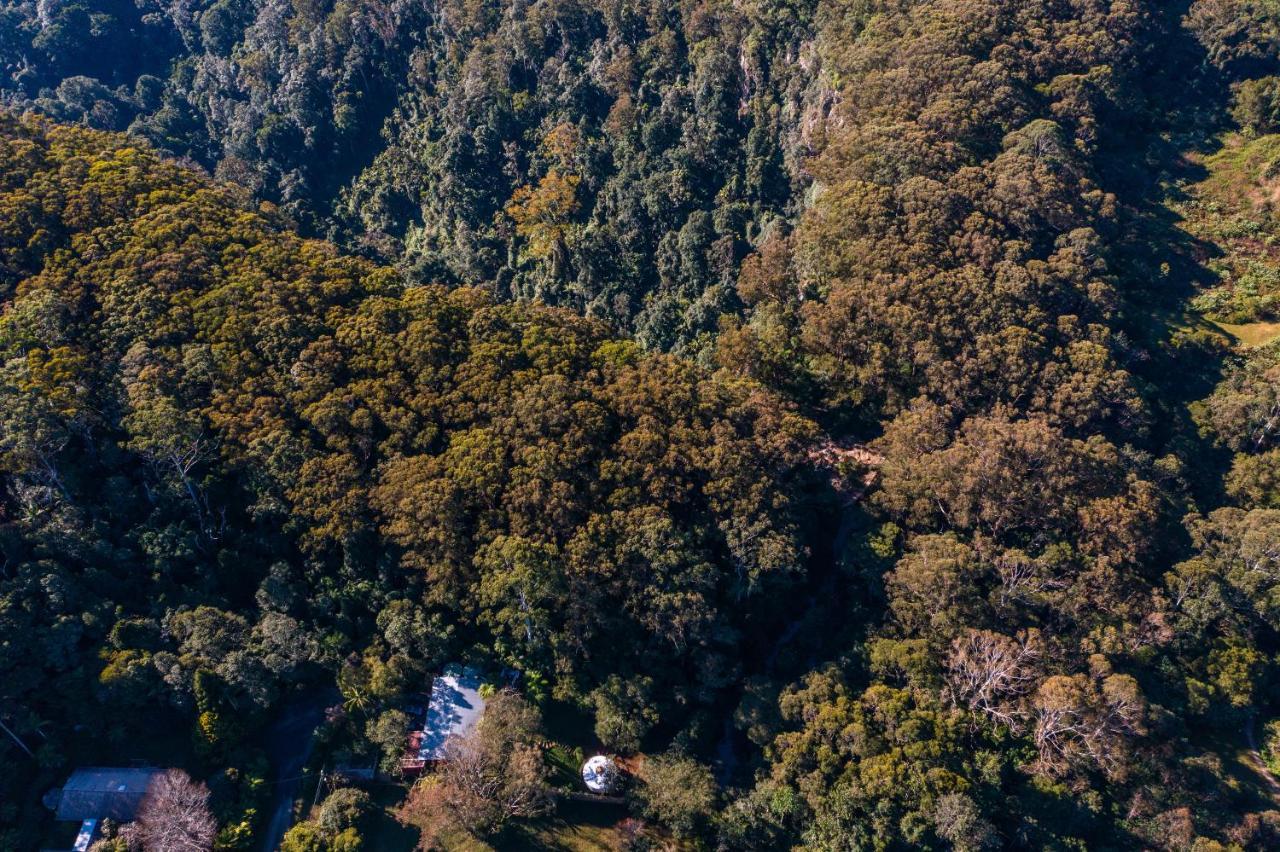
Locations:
column 542, row 215
column 496, row 772
column 872, row 763
column 1239, row 35
column 1244, row 410
column 624, row 712
column 166, row 432
column 977, row 481
column 959, row 821
column 304, row 837
column 1237, row 557
column 521, row 584
column 678, row 792
column 989, row 672
column 1084, row 723
column 1257, row 106
column 388, row 731
column 935, row 588
column 312, row 837
column 344, row 808
column 174, row 815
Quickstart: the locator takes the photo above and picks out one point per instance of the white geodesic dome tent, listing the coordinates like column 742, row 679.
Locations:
column 601, row 774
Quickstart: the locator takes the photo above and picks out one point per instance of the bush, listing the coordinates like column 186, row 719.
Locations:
column 314, row 837
column 347, row 840
column 303, row 837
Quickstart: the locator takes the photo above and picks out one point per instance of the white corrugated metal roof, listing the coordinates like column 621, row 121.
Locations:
column 455, row 709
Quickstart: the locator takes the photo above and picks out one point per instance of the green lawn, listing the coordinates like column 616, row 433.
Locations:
column 574, row 827
column 1241, row 173
column 1233, row 208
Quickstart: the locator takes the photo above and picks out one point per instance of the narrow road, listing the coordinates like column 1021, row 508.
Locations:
column 288, row 744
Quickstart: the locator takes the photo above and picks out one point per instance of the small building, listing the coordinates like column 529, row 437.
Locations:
column 601, row 775
column 103, row 793
column 95, row 793
column 453, row 710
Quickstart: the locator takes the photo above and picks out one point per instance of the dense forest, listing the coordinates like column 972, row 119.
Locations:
column 859, row 417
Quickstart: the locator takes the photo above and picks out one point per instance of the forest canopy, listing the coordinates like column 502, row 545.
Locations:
column 231, row 453
column 860, row 417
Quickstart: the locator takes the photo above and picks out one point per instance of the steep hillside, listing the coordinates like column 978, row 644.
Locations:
column 613, row 295
column 232, row 455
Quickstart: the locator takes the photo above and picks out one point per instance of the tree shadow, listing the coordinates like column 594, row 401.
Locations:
column 1176, row 354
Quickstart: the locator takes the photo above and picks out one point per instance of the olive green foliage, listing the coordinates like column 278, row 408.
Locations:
column 1271, row 745
column 963, row 284
column 1019, row 260
column 232, row 455
column 1257, row 106
column 344, row 808
column 617, row 157
column 313, row 837
column 625, row 712
column 678, row 792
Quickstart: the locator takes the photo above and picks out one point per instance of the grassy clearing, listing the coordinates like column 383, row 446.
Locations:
column 574, row 827
column 1234, row 211
column 1253, row 334
column 1243, row 174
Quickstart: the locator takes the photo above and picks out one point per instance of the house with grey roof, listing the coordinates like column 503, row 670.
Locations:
column 104, row 792
column 95, row 793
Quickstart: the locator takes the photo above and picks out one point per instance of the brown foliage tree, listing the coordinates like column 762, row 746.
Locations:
column 496, row 773
column 1084, row 722
column 174, row 816
column 990, row 673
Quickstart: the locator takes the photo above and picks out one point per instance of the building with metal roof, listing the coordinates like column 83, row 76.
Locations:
column 454, row 710
column 103, row 793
